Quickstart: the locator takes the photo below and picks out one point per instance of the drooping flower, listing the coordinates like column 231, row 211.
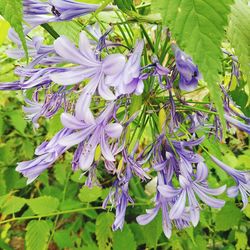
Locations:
column 189, row 73
column 242, row 179
column 47, row 108
column 237, row 123
column 47, row 153
column 37, row 12
column 89, row 66
column 119, row 197
column 35, row 46
column 188, row 190
column 92, row 132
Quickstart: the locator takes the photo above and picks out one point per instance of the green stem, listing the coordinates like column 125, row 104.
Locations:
column 62, row 212
column 50, row 30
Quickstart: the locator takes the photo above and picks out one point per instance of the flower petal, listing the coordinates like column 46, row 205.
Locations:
column 179, row 206
column 113, row 130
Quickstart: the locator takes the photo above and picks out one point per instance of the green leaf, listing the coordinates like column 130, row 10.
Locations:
column 124, row 239
column 198, row 27
column 43, row 205
column 4, row 27
column 89, row 194
column 37, row 235
column 13, row 204
column 227, row 217
column 153, row 231
column 60, row 171
column 12, row 11
column 54, row 125
column 241, row 240
column 18, row 121
column 63, row 239
column 239, row 35
column 124, row 5
column 69, row 29
column 103, row 231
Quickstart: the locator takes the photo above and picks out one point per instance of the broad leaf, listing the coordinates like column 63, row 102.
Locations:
column 103, row 231
column 37, row 235
column 89, row 194
column 228, row 216
column 124, row 239
column 239, row 35
column 13, row 204
column 43, row 205
column 198, row 27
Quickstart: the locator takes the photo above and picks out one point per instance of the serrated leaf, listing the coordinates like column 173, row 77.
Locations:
column 124, row 239
column 89, row 194
column 103, row 231
column 227, row 217
column 43, row 205
column 37, row 235
column 60, row 171
column 153, row 231
column 13, row 204
column 198, row 27
column 63, row 239
column 239, row 35
column 12, row 11
column 18, row 121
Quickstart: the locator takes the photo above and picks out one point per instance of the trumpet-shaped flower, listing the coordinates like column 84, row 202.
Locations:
column 88, row 66
column 92, row 132
column 187, row 191
column 47, row 153
column 242, row 179
column 37, row 12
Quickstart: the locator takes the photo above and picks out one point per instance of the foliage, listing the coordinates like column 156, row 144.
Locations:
column 58, row 211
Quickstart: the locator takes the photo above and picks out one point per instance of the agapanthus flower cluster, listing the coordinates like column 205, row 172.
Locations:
column 93, row 88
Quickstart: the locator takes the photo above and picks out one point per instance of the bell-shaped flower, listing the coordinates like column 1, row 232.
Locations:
column 88, row 66
column 187, row 193
column 92, row 132
column 242, row 179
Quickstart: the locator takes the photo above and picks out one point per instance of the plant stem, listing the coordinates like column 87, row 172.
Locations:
column 62, row 212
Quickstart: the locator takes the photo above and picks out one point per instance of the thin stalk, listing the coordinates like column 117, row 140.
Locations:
column 71, row 211
column 50, row 30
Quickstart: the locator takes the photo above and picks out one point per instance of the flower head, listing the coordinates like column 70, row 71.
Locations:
column 92, row 132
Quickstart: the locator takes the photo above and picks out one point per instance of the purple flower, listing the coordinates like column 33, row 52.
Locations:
column 129, row 80
column 238, row 124
column 35, row 47
column 119, row 197
column 47, row 152
column 242, row 179
column 89, row 66
column 189, row 188
column 47, row 108
column 92, row 132
column 189, row 73
column 38, row 12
